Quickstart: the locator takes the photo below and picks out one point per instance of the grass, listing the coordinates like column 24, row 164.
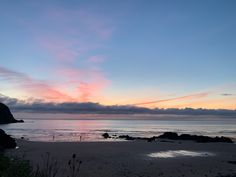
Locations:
column 15, row 167
column 19, row 167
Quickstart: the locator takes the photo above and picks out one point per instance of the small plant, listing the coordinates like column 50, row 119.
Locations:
column 74, row 166
column 19, row 167
column 50, row 168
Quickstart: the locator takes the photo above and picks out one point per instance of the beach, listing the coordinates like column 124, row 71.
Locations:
column 132, row 158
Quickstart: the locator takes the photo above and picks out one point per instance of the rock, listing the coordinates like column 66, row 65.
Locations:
column 232, row 162
column 223, row 139
column 151, row 139
column 175, row 136
column 106, row 135
column 6, row 141
column 127, row 137
column 169, row 135
column 199, row 139
column 6, row 115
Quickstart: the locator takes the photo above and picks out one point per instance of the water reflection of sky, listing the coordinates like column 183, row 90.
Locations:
column 179, row 153
column 91, row 130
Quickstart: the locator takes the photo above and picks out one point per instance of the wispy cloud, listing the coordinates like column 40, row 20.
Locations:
column 60, row 49
column 71, row 40
column 70, row 33
column 227, row 94
column 96, row 59
column 87, row 83
column 75, row 85
column 33, row 87
column 192, row 96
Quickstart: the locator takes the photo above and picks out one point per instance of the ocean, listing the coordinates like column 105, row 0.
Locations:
column 91, row 127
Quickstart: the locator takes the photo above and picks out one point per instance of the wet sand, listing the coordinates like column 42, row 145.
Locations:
column 130, row 159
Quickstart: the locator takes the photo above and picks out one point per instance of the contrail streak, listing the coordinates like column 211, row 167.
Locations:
column 199, row 95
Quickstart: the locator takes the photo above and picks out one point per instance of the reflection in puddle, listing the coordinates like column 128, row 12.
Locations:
column 179, row 153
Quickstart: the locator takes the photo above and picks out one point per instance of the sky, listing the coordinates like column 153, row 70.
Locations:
column 156, row 53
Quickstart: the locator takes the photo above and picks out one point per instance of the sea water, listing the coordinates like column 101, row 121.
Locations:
column 91, row 127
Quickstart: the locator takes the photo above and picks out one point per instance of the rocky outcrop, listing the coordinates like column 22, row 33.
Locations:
column 169, row 135
column 6, row 141
column 199, row 139
column 6, row 115
column 175, row 136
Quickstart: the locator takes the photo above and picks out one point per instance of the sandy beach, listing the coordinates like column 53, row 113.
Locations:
column 130, row 158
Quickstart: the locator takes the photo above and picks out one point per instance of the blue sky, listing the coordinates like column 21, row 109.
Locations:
column 120, row 52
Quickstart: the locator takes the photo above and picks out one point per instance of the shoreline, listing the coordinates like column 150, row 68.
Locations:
column 92, row 130
column 130, row 158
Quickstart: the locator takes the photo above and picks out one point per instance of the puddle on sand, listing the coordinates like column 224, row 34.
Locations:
column 179, row 153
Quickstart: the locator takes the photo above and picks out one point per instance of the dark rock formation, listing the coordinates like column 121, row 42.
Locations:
column 169, row 135
column 106, row 135
column 151, row 139
column 6, row 115
column 127, row 137
column 199, row 139
column 6, row 141
column 175, row 136
column 229, row 175
column 232, row 162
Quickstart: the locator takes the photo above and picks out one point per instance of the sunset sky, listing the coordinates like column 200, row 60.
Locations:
column 166, row 54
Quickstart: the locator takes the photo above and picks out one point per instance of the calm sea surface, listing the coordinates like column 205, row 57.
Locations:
column 91, row 130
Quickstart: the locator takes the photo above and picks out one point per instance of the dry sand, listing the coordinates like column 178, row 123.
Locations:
column 129, row 159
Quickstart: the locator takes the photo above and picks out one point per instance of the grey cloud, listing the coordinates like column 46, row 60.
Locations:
column 8, row 100
column 38, row 106
column 227, row 94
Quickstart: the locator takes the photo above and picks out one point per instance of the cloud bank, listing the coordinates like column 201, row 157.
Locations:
column 38, row 106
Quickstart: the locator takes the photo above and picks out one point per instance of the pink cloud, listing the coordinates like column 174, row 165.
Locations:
column 87, row 83
column 82, row 22
column 68, row 35
column 96, row 59
column 33, row 87
column 60, row 49
column 95, row 23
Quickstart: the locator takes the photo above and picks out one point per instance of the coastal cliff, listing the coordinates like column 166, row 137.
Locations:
column 6, row 115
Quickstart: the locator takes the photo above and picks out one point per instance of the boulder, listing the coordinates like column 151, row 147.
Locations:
column 106, row 135
column 6, row 141
column 6, row 115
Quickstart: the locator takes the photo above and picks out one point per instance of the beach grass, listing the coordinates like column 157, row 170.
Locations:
column 19, row 167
